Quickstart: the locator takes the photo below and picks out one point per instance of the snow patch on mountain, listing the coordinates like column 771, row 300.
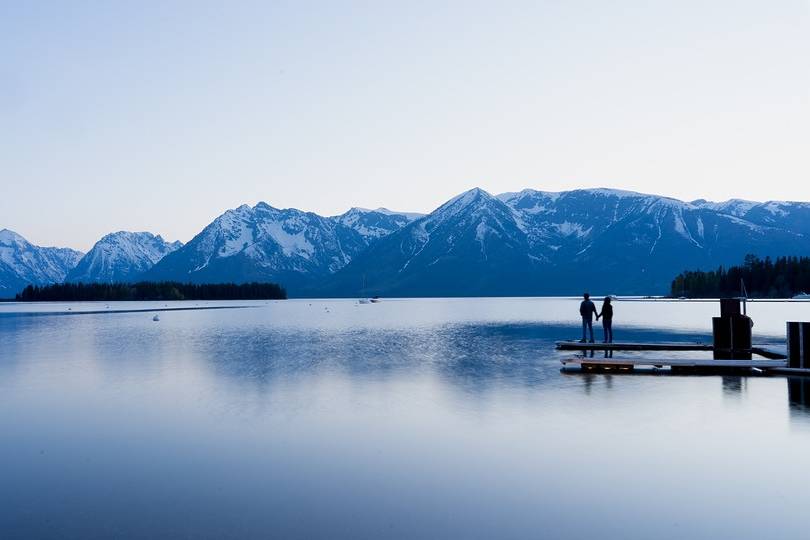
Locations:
column 483, row 231
column 291, row 243
column 421, row 238
column 566, row 228
column 238, row 238
column 777, row 208
column 733, row 207
column 232, row 232
column 682, row 229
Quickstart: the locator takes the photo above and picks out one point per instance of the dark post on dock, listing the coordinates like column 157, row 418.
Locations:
column 731, row 332
column 798, row 344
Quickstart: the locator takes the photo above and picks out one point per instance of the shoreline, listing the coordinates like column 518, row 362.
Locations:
column 102, row 311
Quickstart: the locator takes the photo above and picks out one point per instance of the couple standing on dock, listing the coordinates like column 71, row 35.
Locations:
column 587, row 309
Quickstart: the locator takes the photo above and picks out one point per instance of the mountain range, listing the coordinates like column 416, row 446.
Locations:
column 524, row 243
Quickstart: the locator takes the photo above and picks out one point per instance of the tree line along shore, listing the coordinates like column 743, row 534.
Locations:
column 782, row 277
column 148, row 290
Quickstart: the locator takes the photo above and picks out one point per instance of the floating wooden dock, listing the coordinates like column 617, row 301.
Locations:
column 732, row 349
column 661, row 346
column 633, row 346
column 628, row 364
column 771, row 360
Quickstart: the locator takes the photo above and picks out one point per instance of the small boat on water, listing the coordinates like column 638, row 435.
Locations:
column 156, row 317
column 375, row 300
column 364, row 299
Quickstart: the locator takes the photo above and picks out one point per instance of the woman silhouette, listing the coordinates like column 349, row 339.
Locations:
column 607, row 319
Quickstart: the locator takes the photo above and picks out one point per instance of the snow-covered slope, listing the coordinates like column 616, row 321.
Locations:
column 22, row 263
column 472, row 244
column 631, row 242
column 290, row 246
column 121, row 256
column 552, row 243
column 791, row 215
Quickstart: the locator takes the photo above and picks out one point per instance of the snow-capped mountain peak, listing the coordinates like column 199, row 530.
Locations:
column 267, row 243
column 121, row 256
column 22, row 263
column 9, row 238
column 471, row 201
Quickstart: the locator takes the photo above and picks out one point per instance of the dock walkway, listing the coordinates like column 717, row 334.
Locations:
column 630, row 363
column 660, row 346
column 633, row 346
column 771, row 360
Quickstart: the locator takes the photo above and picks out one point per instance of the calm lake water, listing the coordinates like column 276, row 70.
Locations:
column 430, row 418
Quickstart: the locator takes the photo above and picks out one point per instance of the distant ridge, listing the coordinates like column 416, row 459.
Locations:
column 529, row 242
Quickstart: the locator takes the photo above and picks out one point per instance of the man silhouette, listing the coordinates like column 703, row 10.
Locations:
column 587, row 309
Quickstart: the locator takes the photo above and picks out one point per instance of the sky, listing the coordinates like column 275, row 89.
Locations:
column 159, row 116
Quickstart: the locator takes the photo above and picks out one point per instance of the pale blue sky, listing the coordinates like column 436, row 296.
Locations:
column 160, row 115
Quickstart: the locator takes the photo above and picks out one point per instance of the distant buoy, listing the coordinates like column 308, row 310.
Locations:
column 156, row 318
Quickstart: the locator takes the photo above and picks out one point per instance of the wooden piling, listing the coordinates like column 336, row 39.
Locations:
column 798, row 344
column 731, row 332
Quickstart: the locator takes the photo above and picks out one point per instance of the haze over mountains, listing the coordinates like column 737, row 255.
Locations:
column 525, row 243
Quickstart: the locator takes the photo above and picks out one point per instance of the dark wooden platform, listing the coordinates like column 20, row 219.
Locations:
column 629, row 363
column 659, row 346
column 633, row 346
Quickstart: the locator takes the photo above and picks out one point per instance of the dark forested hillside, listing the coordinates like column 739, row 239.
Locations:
column 782, row 277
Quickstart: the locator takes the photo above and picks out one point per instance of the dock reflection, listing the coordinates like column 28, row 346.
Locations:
column 799, row 396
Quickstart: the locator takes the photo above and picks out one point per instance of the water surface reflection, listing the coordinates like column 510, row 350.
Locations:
column 421, row 419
